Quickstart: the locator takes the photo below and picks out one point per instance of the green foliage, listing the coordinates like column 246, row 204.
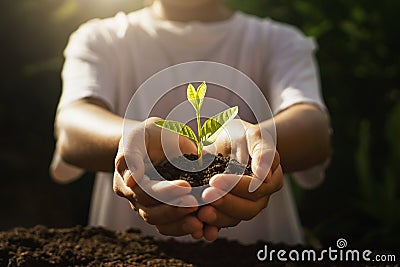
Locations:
column 379, row 200
column 178, row 128
column 196, row 97
column 212, row 127
column 360, row 65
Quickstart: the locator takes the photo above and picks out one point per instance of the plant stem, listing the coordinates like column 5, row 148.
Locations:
column 200, row 153
column 200, row 143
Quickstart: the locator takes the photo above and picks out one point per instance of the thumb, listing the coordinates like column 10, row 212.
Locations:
column 131, row 168
column 261, row 148
column 129, row 162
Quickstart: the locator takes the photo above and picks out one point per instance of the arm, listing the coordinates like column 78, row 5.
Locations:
column 303, row 138
column 88, row 134
column 302, row 141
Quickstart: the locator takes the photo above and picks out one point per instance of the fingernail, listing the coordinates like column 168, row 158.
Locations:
column 218, row 182
column 254, row 184
column 225, row 183
column 211, row 194
column 262, row 170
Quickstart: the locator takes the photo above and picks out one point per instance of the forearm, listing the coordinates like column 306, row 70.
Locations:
column 303, row 138
column 88, row 135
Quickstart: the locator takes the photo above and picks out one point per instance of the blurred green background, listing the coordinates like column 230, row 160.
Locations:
column 360, row 72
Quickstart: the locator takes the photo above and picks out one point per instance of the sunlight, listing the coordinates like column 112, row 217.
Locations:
column 70, row 8
column 66, row 10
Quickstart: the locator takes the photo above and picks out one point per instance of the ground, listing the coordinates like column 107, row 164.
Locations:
column 96, row 246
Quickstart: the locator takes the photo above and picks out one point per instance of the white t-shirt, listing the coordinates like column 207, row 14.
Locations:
column 110, row 58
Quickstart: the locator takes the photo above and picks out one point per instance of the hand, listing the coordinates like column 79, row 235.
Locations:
column 242, row 202
column 142, row 146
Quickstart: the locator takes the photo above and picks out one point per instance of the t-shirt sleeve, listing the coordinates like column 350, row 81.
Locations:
column 291, row 72
column 293, row 78
column 89, row 69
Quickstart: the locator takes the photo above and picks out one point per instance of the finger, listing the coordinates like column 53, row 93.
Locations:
column 121, row 189
column 212, row 194
column 166, row 214
column 187, row 225
column 261, row 159
column 210, row 232
column 150, row 192
column 275, row 183
column 261, row 147
column 211, row 216
column 240, row 208
column 131, row 153
column 197, row 235
column 261, row 165
column 274, row 167
column 276, row 161
column 239, row 185
column 236, row 135
column 240, row 152
column 144, row 198
column 136, row 168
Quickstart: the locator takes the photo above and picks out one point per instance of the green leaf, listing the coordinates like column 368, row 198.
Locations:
column 196, row 97
column 192, row 96
column 214, row 125
column 201, row 93
column 178, row 128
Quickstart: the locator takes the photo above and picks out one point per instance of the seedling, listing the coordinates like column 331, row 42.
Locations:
column 206, row 133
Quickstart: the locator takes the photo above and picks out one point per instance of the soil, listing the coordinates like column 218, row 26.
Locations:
column 219, row 164
column 96, row 246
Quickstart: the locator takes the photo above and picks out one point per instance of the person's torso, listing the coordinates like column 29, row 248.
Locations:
column 144, row 46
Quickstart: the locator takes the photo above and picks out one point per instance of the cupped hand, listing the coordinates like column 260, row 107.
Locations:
column 247, row 196
column 141, row 146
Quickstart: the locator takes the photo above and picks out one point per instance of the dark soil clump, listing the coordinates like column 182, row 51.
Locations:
column 80, row 246
column 97, row 246
column 219, row 164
